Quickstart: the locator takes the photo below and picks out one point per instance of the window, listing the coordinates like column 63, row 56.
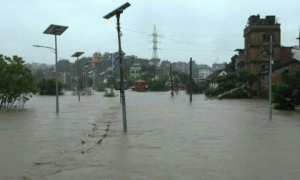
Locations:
column 267, row 37
column 132, row 72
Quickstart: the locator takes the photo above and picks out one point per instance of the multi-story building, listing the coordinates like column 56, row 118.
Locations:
column 135, row 71
column 240, row 62
column 204, row 71
column 180, row 66
column 195, row 71
column 296, row 50
column 217, row 66
column 257, row 36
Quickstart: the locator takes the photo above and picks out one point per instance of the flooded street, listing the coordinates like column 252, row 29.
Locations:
column 167, row 138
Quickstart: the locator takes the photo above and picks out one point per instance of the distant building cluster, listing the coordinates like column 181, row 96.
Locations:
column 254, row 56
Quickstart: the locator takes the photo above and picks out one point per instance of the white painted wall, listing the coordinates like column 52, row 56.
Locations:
column 296, row 52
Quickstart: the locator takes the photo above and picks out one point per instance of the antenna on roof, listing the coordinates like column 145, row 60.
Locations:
column 216, row 61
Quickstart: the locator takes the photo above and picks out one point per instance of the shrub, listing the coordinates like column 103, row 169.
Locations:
column 101, row 88
column 111, row 93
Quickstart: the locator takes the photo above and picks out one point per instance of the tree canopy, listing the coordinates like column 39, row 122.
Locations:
column 16, row 82
column 287, row 94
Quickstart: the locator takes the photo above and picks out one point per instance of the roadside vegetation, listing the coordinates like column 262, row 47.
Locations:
column 232, row 86
column 48, row 86
column 197, row 88
column 159, row 85
column 101, row 87
column 111, row 93
column 286, row 95
column 17, row 84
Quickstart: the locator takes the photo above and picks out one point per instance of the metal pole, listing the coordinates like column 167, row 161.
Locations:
column 270, row 83
column 191, row 85
column 78, row 87
column 71, row 82
column 121, row 75
column 82, row 80
column 57, row 104
column 94, row 83
column 86, row 79
column 172, row 93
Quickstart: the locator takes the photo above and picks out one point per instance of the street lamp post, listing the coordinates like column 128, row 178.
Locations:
column 55, row 30
column 117, row 12
column 77, row 54
column 270, row 81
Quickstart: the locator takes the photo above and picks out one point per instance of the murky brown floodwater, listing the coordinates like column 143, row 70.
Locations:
column 168, row 138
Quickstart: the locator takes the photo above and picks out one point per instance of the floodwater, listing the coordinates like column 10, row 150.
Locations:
column 167, row 138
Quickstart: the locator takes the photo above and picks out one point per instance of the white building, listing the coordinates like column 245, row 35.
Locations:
column 296, row 50
column 204, row 71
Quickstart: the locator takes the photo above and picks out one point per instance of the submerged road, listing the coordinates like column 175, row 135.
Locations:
column 167, row 138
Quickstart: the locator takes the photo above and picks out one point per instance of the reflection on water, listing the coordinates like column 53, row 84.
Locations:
column 168, row 138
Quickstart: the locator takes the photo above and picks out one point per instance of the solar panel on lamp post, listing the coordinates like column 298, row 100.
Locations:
column 77, row 54
column 55, row 30
column 117, row 12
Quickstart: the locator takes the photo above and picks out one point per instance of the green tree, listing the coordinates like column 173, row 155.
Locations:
column 48, row 86
column 101, row 87
column 232, row 81
column 147, row 76
column 287, row 94
column 16, row 82
column 198, row 88
column 159, row 85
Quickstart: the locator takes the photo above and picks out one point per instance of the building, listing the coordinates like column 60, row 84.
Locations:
column 217, row 66
column 195, row 71
column 257, row 36
column 204, row 71
column 212, row 79
column 180, row 66
column 155, row 62
column 135, row 71
column 296, row 50
column 263, row 76
column 240, row 62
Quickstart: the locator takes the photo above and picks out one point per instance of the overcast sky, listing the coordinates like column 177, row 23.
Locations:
column 212, row 29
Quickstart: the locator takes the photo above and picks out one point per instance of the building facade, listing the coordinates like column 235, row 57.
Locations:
column 204, row 71
column 258, row 34
column 135, row 71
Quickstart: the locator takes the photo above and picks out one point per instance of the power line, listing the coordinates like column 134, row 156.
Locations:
column 182, row 41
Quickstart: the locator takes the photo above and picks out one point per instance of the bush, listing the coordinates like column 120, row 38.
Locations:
column 284, row 97
column 211, row 92
column 141, row 90
column 48, row 86
column 198, row 88
column 101, row 88
column 159, row 85
column 111, row 93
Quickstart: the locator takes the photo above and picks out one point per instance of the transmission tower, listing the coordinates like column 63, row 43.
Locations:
column 154, row 54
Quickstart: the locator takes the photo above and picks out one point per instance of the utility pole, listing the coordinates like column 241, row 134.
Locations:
column 176, row 85
column 121, row 75
column 78, row 75
column 191, row 86
column 270, row 81
column 171, row 80
column 117, row 12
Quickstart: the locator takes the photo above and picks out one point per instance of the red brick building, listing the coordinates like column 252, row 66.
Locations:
column 257, row 35
column 256, row 53
column 263, row 77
